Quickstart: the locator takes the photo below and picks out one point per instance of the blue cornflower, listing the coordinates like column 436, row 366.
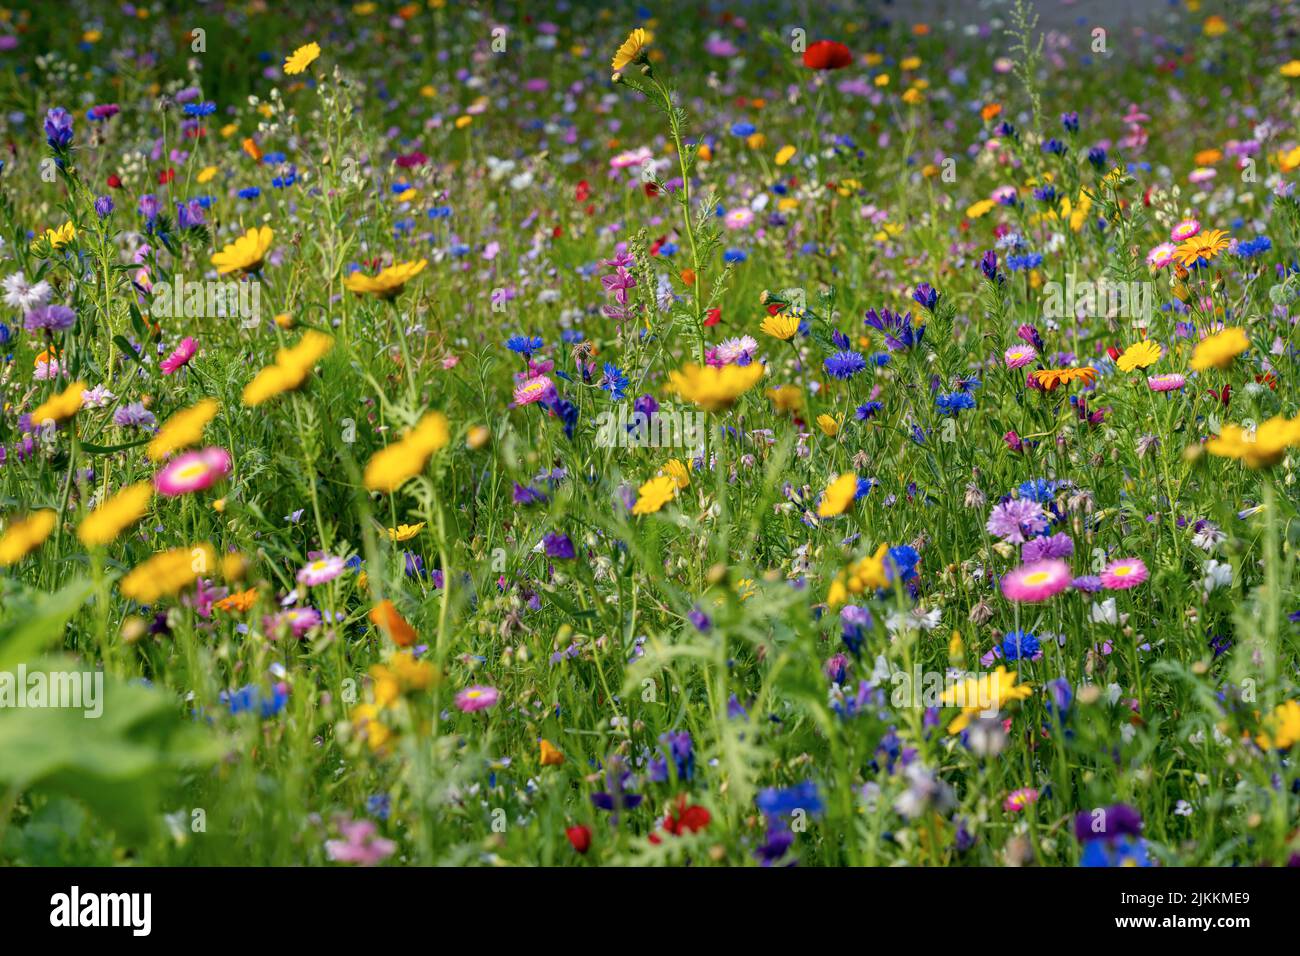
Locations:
column 868, row 410
column 249, row 192
column 1070, row 121
column 1019, row 645
column 952, row 404
column 524, row 345
column 200, row 109
column 614, row 382
column 1037, row 489
column 845, row 365
column 1030, row 260
column 1054, row 146
column 782, row 802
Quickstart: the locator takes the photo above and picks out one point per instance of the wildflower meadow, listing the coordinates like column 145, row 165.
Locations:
column 710, row 435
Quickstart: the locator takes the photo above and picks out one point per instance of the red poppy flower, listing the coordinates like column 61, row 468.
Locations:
column 580, row 837
column 166, row 176
column 582, row 192
column 713, row 317
column 686, row 819
column 114, row 182
column 827, row 55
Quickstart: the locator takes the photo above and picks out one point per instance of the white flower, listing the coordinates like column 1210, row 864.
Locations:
column 1217, row 575
column 1208, row 537
column 1105, row 612
column 23, row 295
column 1183, row 808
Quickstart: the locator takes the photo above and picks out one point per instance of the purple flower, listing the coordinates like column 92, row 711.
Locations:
column 528, row 495
column 134, row 415
column 49, row 318
column 103, row 206
column 899, row 331
column 58, row 128
column 1014, row 521
column 700, row 620
column 926, row 296
column 558, row 546
column 616, row 796
column 1057, row 546
column 1107, row 823
column 149, row 207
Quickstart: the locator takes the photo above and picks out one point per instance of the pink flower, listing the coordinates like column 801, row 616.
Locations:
column 1166, row 383
column 1185, row 230
column 181, row 357
column 193, row 471
column 320, row 571
column 1018, row 800
column 1161, row 255
column 476, row 697
column 1124, row 574
column 537, row 389
column 360, row 844
column 1038, row 581
column 299, row 620
column 1018, row 356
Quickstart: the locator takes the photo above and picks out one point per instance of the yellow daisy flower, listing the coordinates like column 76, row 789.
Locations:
column 246, row 253
column 632, row 49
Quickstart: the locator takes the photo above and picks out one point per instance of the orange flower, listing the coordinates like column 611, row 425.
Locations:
column 688, row 277
column 991, row 110
column 237, row 603
column 1049, row 378
column 388, row 619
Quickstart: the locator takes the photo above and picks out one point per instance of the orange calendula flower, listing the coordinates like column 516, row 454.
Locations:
column 237, row 603
column 1050, row 378
column 550, row 754
column 388, row 619
column 1204, row 246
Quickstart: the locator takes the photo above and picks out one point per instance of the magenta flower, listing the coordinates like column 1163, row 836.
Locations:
column 1039, row 581
column 181, row 357
column 476, row 697
column 1124, row 574
column 360, row 844
column 193, row 471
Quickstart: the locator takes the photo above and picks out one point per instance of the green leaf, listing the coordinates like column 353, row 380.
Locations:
column 28, row 631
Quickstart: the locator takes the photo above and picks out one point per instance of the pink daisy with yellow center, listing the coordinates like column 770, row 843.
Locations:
column 534, row 390
column 1037, row 581
column 1185, row 230
column 1166, row 383
column 1123, row 574
column 1161, row 255
column 193, row 471
column 1018, row 356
